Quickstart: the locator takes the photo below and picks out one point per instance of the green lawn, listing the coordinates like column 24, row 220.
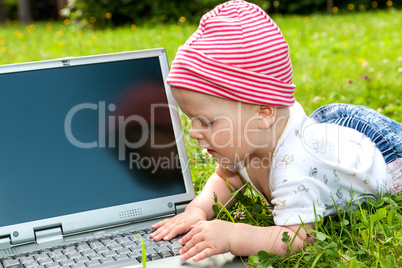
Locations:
column 354, row 58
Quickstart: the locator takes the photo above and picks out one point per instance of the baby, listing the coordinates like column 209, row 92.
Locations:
column 233, row 78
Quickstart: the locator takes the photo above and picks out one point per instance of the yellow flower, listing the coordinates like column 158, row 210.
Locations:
column 351, row 6
column 335, row 10
column 374, row 4
column 108, row 15
column 182, row 19
column 389, row 3
column 92, row 19
column 66, row 22
column 30, row 27
column 364, row 63
column 4, row 49
column 59, row 33
column 2, row 42
column 20, row 36
column 133, row 26
column 94, row 38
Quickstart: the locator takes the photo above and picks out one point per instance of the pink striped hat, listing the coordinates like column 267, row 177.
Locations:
column 237, row 53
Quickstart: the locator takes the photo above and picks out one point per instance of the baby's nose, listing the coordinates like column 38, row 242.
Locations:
column 195, row 133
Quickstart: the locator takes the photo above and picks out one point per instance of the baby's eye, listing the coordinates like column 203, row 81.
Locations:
column 205, row 123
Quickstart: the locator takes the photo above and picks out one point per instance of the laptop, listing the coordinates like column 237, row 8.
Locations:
column 92, row 154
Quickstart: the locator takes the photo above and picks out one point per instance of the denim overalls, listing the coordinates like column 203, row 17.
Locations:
column 383, row 131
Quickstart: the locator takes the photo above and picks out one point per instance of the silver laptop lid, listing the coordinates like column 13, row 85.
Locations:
column 88, row 142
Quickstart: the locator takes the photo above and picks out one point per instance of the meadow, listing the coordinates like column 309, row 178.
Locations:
column 353, row 57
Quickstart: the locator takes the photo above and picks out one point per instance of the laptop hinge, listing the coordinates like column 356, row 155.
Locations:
column 49, row 235
column 66, row 62
column 5, row 242
column 180, row 208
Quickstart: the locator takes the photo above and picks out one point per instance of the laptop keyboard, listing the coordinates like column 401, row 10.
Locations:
column 94, row 252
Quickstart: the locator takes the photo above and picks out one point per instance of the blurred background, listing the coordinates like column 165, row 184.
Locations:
column 102, row 13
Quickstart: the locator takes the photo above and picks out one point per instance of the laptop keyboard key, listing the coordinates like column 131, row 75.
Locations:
column 67, row 262
column 31, row 264
column 11, row 262
column 45, row 261
column 74, row 255
column 83, row 246
column 95, row 252
column 53, row 265
column 123, row 251
column 109, row 254
column 121, row 257
column 24, row 260
column 42, row 256
column 153, row 256
column 34, row 265
column 134, row 255
column 16, row 266
column 107, row 260
column 95, row 245
column 96, row 256
column 115, row 247
column 69, row 250
column 162, row 248
column 88, row 252
column 92, row 263
column 175, row 247
column 55, row 253
column 78, row 265
column 166, row 254
column 135, row 248
column 60, row 258
column 81, row 259
column 102, row 249
column 139, row 259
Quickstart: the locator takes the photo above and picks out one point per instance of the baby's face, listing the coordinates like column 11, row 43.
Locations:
column 229, row 130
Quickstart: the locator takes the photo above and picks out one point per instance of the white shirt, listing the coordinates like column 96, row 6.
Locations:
column 316, row 166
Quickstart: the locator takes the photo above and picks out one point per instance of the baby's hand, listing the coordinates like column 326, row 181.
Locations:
column 207, row 238
column 179, row 224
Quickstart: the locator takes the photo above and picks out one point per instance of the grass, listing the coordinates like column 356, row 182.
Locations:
column 50, row 40
column 354, row 58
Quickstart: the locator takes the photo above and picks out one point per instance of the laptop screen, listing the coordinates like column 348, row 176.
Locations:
column 85, row 137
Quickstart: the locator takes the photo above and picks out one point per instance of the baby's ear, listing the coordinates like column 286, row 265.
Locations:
column 266, row 116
